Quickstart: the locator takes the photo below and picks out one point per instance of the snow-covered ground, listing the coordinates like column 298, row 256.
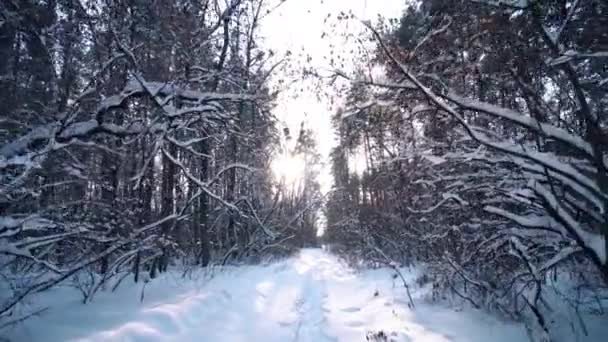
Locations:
column 310, row 297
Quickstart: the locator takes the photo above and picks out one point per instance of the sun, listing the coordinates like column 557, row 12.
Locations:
column 288, row 168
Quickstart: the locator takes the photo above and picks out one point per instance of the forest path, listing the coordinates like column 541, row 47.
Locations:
column 311, row 297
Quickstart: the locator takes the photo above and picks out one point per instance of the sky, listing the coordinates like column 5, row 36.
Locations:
column 297, row 26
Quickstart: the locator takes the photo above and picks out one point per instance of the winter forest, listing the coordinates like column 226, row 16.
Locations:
column 448, row 181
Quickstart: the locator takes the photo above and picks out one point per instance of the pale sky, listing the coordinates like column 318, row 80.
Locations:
column 297, row 26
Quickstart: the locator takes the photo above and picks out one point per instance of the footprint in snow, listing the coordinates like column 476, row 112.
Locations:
column 285, row 324
column 351, row 309
column 226, row 295
column 355, row 324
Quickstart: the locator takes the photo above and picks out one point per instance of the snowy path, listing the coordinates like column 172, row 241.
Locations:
column 312, row 297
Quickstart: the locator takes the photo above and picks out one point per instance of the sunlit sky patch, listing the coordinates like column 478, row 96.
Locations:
column 298, row 26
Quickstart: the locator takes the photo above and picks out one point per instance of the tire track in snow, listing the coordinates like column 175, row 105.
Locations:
column 312, row 322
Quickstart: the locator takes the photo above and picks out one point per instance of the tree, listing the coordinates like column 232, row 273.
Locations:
column 113, row 157
column 503, row 182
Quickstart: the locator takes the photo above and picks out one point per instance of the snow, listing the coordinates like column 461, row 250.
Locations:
column 138, row 85
column 594, row 242
column 445, row 198
column 19, row 145
column 79, row 129
column 571, row 54
column 525, row 121
column 528, row 221
column 9, row 226
column 312, row 296
column 435, row 160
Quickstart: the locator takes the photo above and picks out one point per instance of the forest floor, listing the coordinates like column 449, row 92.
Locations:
column 311, row 297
